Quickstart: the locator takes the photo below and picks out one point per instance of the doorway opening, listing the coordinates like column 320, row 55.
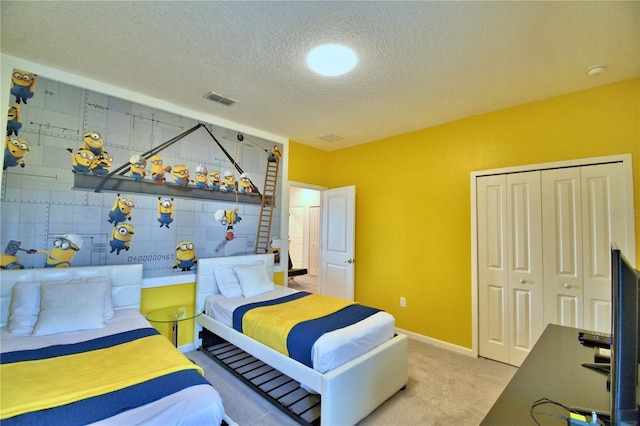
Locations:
column 304, row 236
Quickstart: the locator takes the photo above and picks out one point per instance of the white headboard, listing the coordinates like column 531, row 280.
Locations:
column 125, row 282
column 206, row 280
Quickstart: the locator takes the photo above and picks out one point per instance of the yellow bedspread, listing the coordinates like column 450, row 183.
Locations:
column 271, row 324
column 35, row 385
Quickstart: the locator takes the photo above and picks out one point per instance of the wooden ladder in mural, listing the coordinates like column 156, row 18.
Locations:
column 268, row 204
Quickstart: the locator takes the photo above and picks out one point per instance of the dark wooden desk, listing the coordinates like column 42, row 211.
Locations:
column 552, row 370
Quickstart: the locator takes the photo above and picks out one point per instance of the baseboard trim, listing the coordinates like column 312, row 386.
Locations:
column 439, row 343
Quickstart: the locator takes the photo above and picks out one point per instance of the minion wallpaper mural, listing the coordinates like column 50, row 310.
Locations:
column 191, row 187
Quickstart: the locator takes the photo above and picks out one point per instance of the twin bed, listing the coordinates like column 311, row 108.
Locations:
column 76, row 350
column 354, row 369
column 75, row 337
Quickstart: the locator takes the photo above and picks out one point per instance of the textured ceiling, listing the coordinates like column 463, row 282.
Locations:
column 420, row 63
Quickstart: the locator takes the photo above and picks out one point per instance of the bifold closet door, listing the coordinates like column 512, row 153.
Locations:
column 602, row 199
column 510, row 300
column 562, row 245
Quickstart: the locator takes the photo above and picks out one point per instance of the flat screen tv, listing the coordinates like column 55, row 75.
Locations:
column 625, row 331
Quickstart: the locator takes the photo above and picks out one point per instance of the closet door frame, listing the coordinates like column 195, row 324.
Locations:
column 627, row 216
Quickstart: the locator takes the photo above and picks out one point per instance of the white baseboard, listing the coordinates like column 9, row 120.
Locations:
column 436, row 342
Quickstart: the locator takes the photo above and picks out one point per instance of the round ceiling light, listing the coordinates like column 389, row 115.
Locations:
column 331, row 60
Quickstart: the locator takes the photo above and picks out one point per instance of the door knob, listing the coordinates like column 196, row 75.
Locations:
column 522, row 281
column 350, row 261
column 567, row 285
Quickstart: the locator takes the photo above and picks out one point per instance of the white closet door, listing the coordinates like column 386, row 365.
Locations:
column 524, row 230
column 493, row 312
column 562, row 245
column 602, row 196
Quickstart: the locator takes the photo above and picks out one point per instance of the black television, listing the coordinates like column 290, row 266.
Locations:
column 625, row 348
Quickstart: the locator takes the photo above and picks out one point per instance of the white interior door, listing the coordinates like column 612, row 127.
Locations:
column 338, row 242
column 524, row 230
column 493, row 309
column 562, row 240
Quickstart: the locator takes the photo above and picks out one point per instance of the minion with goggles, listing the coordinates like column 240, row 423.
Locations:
column 245, row 184
column 230, row 183
column 158, row 169
column 185, row 256
column 137, row 167
column 215, row 181
column 102, row 164
column 14, row 151
column 181, row 175
column 64, row 249
column 83, row 160
column 165, row 211
column 14, row 120
column 121, row 237
column 201, row 176
column 23, row 84
column 121, row 210
column 93, row 142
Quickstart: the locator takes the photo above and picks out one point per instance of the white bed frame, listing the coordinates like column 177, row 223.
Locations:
column 349, row 392
column 126, row 281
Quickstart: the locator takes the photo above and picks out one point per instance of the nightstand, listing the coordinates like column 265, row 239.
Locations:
column 173, row 315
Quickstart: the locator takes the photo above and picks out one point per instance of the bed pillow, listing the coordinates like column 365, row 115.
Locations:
column 24, row 307
column 108, row 301
column 70, row 306
column 227, row 280
column 254, row 279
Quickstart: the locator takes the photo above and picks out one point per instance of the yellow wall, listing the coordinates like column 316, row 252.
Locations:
column 413, row 219
column 307, row 165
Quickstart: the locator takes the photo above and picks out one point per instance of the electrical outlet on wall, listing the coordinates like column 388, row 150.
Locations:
column 403, row 302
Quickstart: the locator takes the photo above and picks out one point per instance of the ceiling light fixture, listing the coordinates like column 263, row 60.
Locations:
column 331, row 60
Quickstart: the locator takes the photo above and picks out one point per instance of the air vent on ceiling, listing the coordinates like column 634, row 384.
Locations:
column 220, row 99
column 331, row 138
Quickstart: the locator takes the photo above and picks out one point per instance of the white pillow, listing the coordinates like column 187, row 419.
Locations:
column 254, row 279
column 24, row 307
column 70, row 306
column 108, row 302
column 227, row 280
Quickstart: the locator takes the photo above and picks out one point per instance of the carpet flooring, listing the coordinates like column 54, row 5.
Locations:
column 444, row 388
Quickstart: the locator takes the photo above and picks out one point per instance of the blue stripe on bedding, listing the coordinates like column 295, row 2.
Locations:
column 108, row 405
column 303, row 335
column 74, row 348
column 239, row 312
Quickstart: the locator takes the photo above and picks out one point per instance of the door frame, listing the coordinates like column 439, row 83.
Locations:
column 625, row 159
column 305, row 186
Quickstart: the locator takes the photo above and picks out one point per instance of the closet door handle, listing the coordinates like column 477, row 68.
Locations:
column 523, row 281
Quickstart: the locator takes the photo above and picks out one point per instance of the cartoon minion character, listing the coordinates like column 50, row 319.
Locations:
column 165, row 211
column 228, row 218
column 230, row 183
column 275, row 154
column 201, row 176
column 181, row 174
column 245, row 183
column 137, row 167
column 64, row 249
column 121, row 210
column 14, row 151
column 82, row 160
column 215, row 181
column 121, row 237
column 14, row 120
column 158, row 170
column 93, row 142
column 102, row 164
column 185, row 256
column 23, row 84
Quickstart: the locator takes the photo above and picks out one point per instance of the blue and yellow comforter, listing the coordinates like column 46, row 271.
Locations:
column 89, row 381
column 292, row 324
